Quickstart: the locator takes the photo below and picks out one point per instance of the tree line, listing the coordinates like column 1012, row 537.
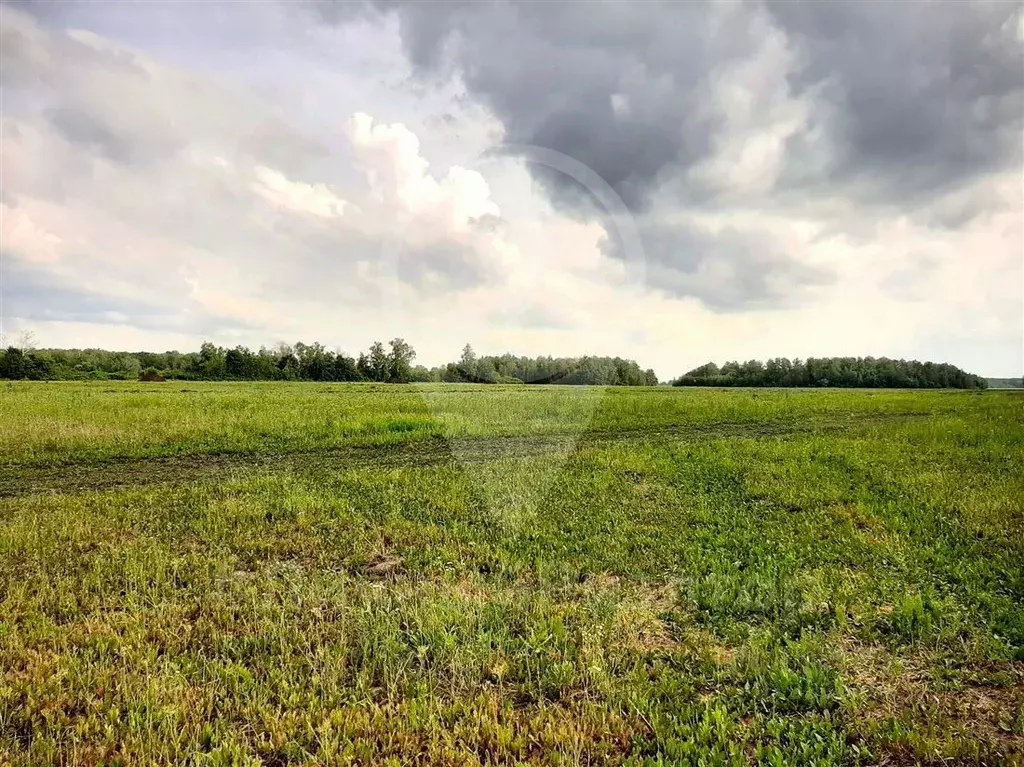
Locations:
column 1005, row 383
column 392, row 363
column 851, row 372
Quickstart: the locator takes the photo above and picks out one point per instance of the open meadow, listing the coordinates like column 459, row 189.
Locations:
column 332, row 574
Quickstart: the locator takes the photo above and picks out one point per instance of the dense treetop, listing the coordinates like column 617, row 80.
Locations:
column 868, row 372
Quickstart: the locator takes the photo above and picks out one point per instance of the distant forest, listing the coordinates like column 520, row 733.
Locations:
column 852, row 372
column 313, row 362
column 1005, row 383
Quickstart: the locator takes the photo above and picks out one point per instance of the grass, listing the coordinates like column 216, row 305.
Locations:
column 305, row 574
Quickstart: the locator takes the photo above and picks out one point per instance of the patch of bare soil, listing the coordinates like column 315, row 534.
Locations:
column 982, row 705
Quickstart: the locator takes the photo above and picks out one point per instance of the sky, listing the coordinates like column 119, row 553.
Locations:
column 671, row 182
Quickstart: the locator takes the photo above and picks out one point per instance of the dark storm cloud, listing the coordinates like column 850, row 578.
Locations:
column 915, row 98
column 554, row 73
column 905, row 104
column 905, row 97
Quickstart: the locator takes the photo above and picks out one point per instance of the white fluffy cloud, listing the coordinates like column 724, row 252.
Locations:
column 312, row 199
column 198, row 230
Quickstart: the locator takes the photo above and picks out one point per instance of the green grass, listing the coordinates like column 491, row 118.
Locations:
column 308, row 574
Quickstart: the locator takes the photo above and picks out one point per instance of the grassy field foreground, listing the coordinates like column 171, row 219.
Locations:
column 241, row 574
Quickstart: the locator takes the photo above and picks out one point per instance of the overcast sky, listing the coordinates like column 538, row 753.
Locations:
column 671, row 182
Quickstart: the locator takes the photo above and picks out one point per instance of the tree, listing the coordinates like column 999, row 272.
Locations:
column 236, row 362
column 288, row 365
column 485, row 372
column 16, row 364
column 210, row 363
column 467, row 363
column 345, row 368
column 13, row 364
column 315, row 362
column 380, row 363
column 364, row 367
column 400, row 360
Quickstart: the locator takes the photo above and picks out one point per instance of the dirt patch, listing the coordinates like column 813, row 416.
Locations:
column 383, row 566
column 903, row 687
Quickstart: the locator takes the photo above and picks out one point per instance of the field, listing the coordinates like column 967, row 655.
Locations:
column 241, row 574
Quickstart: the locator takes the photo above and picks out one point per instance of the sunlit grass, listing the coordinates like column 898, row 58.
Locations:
column 68, row 421
column 846, row 589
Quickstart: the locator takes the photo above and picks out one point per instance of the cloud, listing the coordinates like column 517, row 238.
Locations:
column 312, row 199
column 443, row 232
column 115, row 102
column 898, row 98
column 38, row 295
column 843, row 112
column 399, row 175
column 909, row 100
column 154, row 181
column 554, row 75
